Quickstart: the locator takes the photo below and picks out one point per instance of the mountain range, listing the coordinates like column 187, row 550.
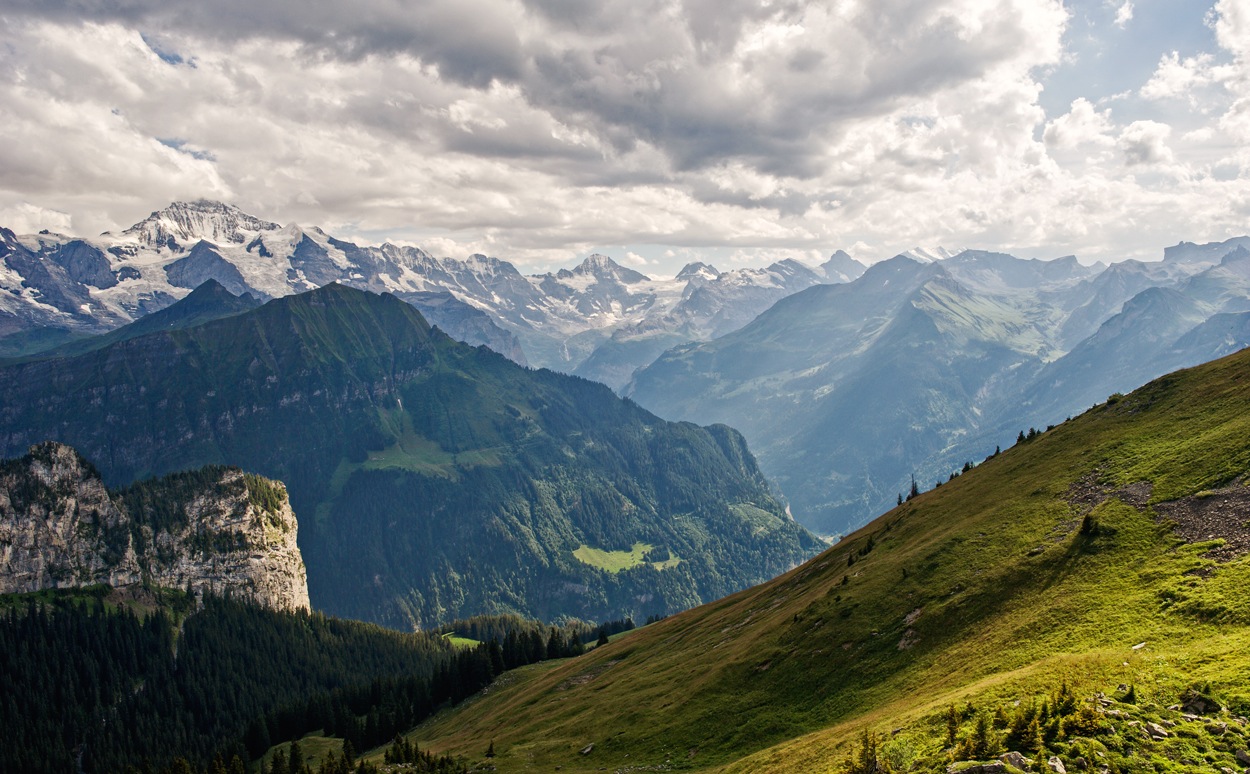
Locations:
column 57, row 287
column 847, row 393
column 432, row 480
column 1072, row 604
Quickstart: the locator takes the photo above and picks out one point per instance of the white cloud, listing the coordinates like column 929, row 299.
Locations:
column 1124, row 14
column 1146, row 142
column 539, row 130
column 1082, row 124
column 26, row 218
column 1177, row 77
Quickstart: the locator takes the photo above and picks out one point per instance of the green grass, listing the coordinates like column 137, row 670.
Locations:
column 983, row 590
column 616, row 561
column 461, row 642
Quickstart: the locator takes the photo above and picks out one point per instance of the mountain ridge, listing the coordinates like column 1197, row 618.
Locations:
column 1099, row 558
column 374, row 419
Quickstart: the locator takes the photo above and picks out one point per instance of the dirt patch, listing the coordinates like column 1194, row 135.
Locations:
column 1216, row 514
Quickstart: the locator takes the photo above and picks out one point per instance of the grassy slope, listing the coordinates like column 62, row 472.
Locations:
column 806, row 662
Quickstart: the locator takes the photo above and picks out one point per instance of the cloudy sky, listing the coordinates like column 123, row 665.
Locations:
column 658, row 131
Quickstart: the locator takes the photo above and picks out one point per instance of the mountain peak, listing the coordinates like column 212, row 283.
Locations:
column 842, row 267
column 201, row 220
column 930, row 254
column 698, row 269
column 603, row 267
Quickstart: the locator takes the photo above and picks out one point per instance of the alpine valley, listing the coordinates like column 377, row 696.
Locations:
column 276, row 502
column 848, row 393
column 433, row 480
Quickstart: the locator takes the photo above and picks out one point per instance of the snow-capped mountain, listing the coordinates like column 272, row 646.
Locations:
column 58, row 287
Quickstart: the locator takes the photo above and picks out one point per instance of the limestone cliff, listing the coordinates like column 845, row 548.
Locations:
column 216, row 529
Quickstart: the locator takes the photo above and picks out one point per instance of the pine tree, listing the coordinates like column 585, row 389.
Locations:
column 952, row 725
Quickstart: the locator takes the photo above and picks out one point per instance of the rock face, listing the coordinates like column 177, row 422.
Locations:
column 216, row 529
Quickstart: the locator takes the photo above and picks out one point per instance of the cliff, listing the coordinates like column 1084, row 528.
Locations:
column 215, row 529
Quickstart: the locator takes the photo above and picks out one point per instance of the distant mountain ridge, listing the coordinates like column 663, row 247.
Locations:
column 846, row 391
column 60, row 286
column 435, row 480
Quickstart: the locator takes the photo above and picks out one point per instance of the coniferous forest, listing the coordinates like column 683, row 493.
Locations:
column 91, row 686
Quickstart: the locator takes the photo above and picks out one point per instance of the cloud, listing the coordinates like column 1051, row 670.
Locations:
column 1176, row 77
column 1082, row 124
column 1124, row 14
column 26, row 218
column 1145, row 142
column 539, row 130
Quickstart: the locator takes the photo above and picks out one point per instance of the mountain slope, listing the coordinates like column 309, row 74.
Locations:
column 841, row 388
column 846, row 392
column 435, row 480
column 1081, row 557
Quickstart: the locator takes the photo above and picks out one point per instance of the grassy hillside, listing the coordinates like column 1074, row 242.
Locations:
column 1081, row 557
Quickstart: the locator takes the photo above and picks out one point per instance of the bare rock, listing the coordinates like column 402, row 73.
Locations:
column 1055, row 765
column 61, row 528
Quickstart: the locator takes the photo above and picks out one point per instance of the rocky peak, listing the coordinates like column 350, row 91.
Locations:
column 184, row 223
column 602, row 267
column 698, row 269
column 841, row 267
column 216, row 529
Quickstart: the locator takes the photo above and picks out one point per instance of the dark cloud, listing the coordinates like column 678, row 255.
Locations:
column 704, row 81
column 471, row 42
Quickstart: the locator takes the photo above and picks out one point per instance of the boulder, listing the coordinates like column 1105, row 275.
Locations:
column 1016, row 760
column 1055, row 765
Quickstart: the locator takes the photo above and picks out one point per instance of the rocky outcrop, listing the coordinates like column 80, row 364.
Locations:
column 217, row 529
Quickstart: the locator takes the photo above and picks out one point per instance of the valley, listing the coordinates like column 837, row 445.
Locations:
column 1048, row 593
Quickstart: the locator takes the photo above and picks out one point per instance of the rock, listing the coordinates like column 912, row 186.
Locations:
column 1016, row 759
column 1055, row 765
column 588, row 749
column 1218, row 729
column 1243, row 757
column 1156, row 731
column 61, row 528
column 975, row 767
column 1194, row 703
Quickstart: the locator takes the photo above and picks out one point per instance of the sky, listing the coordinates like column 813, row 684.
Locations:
column 656, row 131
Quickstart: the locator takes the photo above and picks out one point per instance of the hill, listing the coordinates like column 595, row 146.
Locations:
column 434, row 480
column 1091, row 575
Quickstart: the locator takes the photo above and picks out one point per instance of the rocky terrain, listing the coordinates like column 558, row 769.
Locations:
column 217, row 529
